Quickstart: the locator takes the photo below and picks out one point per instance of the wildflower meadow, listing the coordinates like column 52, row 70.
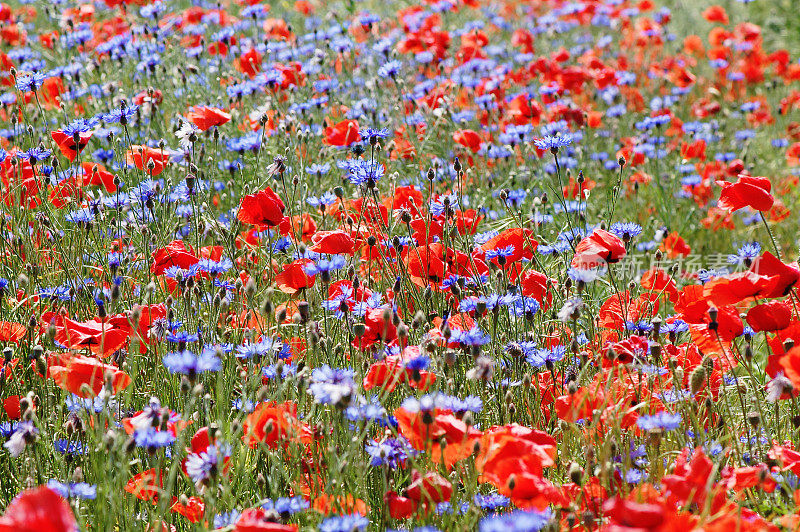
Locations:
column 421, row 265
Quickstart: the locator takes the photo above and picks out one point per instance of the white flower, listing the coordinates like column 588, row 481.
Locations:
column 187, row 134
column 570, row 309
column 25, row 433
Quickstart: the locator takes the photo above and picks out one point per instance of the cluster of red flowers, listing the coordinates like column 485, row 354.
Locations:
column 473, row 265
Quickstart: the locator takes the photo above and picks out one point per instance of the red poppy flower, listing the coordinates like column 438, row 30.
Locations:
column 344, row 133
column 432, row 488
column 790, row 362
column 71, row 145
column 675, row 246
column 514, row 450
column 689, row 481
column 99, row 336
column 425, row 264
column 263, row 209
column 298, row 226
column 72, row 372
column 38, row 510
column 249, row 62
column 759, row 477
column 207, row 117
column 469, row 139
column 736, row 287
column 716, row 13
column 146, row 485
column 630, row 515
column 695, row 150
column 377, row 329
column 538, row 286
column 332, row 242
column 12, row 407
column 399, row 507
column 521, row 239
column 142, row 157
column 294, row 278
column 459, row 438
column 339, row 505
column 273, row 424
column 748, row 191
column 785, row 275
column 598, row 249
column 524, row 111
column 386, row 374
column 176, row 253
column 154, row 97
column 192, row 510
column 96, row 174
column 11, row 332
column 658, row 281
column 770, row 316
column 628, row 350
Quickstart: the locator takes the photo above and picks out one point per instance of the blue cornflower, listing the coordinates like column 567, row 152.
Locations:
column 207, row 464
column 491, row 502
column 391, row 452
column 81, row 125
column 286, row 505
column 500, row 252
column 516, row 521
column 471, row 403
column 187, row 363
column 226, row 519
column 326, row 199
column 324, row 266
column 553, row 143
column 69, row 447
column 362, row 172
column 439, row 205
column 640, row 327
column 151, row 439
column 31, row 82
column 542, row 357
column 36, row 153
column 7, row 428
column 263, row 348
column 473, row 337
column 120, row 115
column 214, row 268
column 281, row 244
column 389, row 69
column 363, row 410
column 745, row 254
column 524, row 305
column 418, row 363
column 181, row 337
column 73, row 490
column 635, row 476
column 25, row 432
column 332, row 385
column 373, row 133
column 318, row 169
column 626, row 230
column 661, row 420
column 583, row 276
column 76, row 403
column 281, row 371
column 344, row 523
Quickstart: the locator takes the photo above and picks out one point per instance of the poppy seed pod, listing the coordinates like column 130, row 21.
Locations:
column 697, row 379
